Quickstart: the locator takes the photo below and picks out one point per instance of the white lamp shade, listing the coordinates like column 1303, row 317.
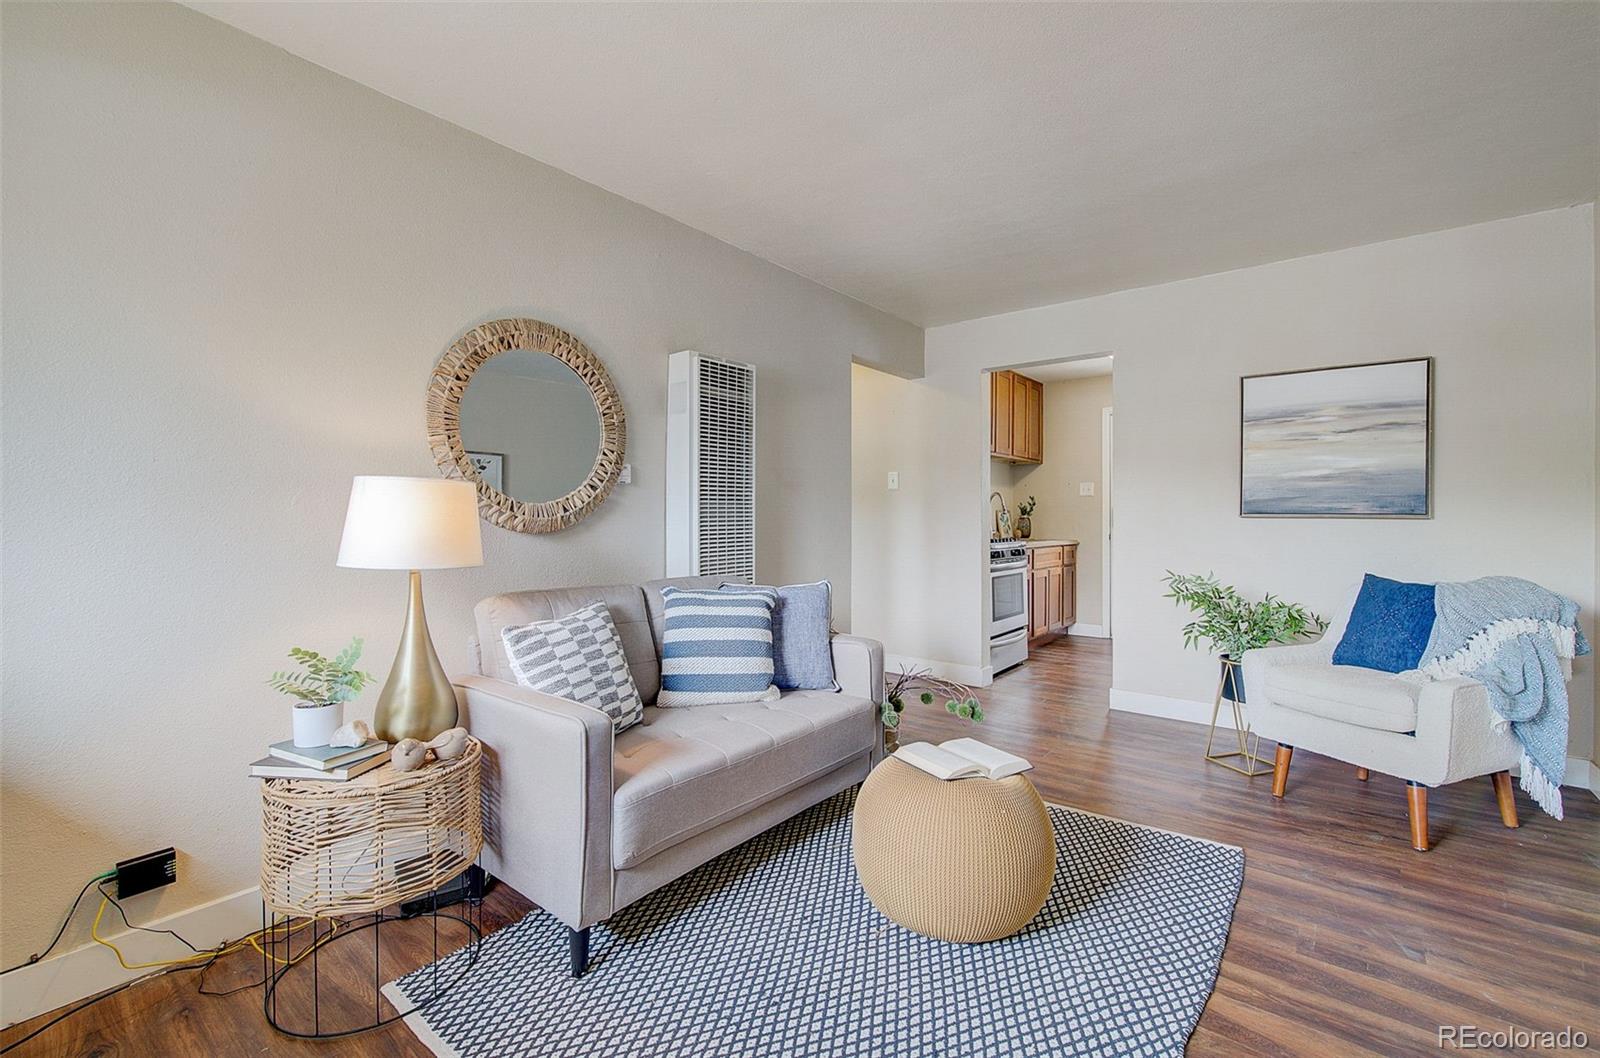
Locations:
column 411, row 523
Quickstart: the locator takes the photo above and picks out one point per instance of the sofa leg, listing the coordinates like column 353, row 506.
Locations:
column 1505, row 797
column 578, row 949
column 1363, row 774
column 1417, row 799
column 1280, row 769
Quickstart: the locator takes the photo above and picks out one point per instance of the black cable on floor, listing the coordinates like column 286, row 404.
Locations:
column 59, row 1018
column 64, row 923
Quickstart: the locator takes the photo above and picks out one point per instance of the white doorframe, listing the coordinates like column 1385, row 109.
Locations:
column 1105, row 521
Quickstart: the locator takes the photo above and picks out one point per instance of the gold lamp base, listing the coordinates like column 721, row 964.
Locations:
column 417, row 700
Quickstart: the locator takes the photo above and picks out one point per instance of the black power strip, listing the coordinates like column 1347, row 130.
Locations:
column 144, row 873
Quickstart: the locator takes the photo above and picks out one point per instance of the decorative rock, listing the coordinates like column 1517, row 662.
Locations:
column 448, row 745
column 355, row 733
column 408, row 755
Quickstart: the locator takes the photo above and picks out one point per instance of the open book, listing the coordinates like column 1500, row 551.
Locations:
column 962, row 758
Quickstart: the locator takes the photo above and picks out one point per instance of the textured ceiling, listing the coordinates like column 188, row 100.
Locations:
column 950, row 161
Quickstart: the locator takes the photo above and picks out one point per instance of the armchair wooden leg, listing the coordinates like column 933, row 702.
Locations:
column 1505, row 797
column 578, row 949
column 1417, row 799
column 1362, row 774
column 1280, row 769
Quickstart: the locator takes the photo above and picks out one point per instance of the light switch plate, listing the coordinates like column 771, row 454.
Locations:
column 894, row 479
column 1085, row 488
column 626, row 477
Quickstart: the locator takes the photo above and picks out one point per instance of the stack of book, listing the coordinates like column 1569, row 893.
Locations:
column 285, row 760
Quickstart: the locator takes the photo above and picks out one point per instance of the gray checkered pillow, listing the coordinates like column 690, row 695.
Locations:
column 577, row 657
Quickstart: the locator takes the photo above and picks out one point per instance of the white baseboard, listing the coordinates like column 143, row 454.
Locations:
column 971, row 675
column 66, row 978
column 1185, row 709
column 1092, row 631
column 1581, row 774
column 1584, row 775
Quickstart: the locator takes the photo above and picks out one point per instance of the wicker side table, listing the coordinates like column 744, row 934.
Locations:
column 336, row 849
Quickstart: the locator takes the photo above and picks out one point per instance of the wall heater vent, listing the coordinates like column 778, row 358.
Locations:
column 711, row 463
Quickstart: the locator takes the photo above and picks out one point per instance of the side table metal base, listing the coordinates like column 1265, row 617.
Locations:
column 279, row 959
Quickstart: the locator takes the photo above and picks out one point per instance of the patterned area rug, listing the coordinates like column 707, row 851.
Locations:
column 773, row 949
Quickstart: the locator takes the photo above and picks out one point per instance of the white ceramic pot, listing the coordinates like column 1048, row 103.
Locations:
column 315, row 727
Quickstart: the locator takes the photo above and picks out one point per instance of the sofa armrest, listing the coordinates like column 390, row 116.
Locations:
column 547, row 795
column 1256, row 663
column 858, row 666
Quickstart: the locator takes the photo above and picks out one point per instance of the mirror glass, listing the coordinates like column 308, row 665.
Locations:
column 530, row 425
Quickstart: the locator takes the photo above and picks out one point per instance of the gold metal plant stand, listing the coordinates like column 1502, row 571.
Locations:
column 1250, row 764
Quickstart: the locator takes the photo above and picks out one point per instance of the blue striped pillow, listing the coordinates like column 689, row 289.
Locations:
column 716, row 647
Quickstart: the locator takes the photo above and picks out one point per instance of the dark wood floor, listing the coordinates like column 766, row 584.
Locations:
column 1345, row 941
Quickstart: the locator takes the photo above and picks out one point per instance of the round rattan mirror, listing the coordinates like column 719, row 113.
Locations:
column 528, row 414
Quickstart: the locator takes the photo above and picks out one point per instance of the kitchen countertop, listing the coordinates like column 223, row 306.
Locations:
column 1052, row 543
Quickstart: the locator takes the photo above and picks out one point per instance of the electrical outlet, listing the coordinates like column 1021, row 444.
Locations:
column 626, row 477
column 144, row 873
column 1086, row 488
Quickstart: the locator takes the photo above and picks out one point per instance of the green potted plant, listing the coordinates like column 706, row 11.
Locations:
column 1229, row 625
column 959, row 700
column 320, row 687
column 1025, row 517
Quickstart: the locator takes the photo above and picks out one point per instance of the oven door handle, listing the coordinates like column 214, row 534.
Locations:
column 1009, row 638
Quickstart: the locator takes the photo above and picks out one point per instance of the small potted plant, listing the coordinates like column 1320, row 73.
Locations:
column 959, row 700
column 320, row 687
column 1230, row 626
column 1025, row 517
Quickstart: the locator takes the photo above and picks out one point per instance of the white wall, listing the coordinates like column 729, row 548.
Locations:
column 1072, row 454
column 227, row 276
column 1505, row 308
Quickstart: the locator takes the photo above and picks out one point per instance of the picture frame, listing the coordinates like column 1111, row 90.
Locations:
column 1347, row 441
column 491, row 467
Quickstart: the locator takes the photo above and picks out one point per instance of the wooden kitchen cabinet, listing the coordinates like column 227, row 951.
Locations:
column 1052, row 591
column 1016, row 417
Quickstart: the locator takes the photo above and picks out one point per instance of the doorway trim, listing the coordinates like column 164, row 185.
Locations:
column 1106, row 514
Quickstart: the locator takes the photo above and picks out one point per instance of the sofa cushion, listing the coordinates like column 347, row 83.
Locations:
column 718, row 647
column 1363, row 697
column 577, row 657
column 656, row 606
column 802, row 623
column 687, row 770
column 1389, row 625
column 625, row 603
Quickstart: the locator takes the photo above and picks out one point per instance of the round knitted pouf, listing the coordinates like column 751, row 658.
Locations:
column 965, row 860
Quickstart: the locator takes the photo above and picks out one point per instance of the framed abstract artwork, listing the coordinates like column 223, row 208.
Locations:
column 491, row 468
column 1337, row 442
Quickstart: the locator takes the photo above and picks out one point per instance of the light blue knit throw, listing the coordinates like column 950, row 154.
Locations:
column 1511, row 635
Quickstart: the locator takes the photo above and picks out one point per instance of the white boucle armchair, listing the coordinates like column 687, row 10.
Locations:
column 1428, row 734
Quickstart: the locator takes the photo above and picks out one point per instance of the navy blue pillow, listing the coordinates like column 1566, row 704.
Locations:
column 1389, row 626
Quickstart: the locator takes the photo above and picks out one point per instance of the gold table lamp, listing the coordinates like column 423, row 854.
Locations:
column 412, row 524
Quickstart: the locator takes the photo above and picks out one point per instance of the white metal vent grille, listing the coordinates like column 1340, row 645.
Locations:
column 710, row 467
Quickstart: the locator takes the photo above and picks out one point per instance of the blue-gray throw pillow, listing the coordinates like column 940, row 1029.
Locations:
column 716, row 647
column 1389, row 626
column 802, row 651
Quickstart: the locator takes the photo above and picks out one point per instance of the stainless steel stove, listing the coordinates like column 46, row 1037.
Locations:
column 1008, row 604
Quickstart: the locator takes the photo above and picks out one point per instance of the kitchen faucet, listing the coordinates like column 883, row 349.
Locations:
column 1002, row 525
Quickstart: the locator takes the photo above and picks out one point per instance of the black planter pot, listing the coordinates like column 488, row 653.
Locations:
column 1232, row 680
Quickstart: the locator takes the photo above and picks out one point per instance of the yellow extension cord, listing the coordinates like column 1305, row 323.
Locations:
column 252, row 940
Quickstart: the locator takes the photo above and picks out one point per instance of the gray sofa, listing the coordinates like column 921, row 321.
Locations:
column 583, row 822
